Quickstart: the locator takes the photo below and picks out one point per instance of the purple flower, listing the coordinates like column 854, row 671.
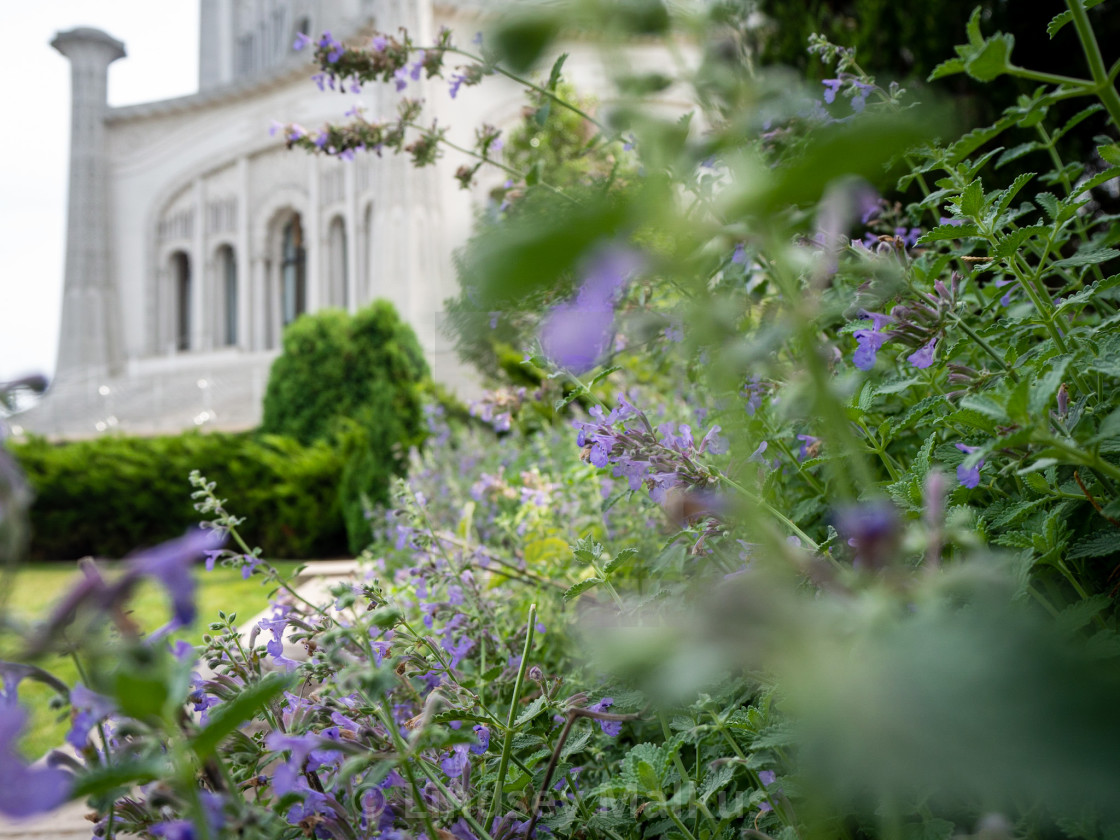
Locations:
column 302, row 40
column 379, row 43
column 922, row 358
column 400, row 76
column 417, row 66
column 88, row 708
column 969, row 476
column 456, row 83
column 871, row 529
column 483, row 733
column 25, row 790
column 765, row 808
column 174, row 830
column 869, row 342
column 456, row 762
column 808, row 446
column 739, row 257
column 831, row 88
column 609, row 727
column 859, row 100
column 767, row 777
column 169, row 564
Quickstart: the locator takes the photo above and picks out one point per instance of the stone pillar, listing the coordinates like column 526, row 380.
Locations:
column 89, row 338
column 249, row 298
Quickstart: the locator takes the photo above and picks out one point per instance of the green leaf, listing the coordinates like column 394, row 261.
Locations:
column 1008, row 195
column 946, row 68
column 1016, row 152
column 1096, row 181
column 621, row 557
column 944, row 232
column 1110, row 153
column 971, row 201
column 1088, row 293
column 1045, row 387
column 533, row 709
column 121, row 773
column 139, row 696
column 231, row 714
column 521, row 39
column 1088, row 256
column 581, row 587
column 985, row 406
column 1049, row 203
column 985, row 58
column 1100, row 544
column 1009, row 246
column 1062, row 18
column 554, row 74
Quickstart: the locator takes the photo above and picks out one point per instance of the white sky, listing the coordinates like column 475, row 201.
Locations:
column 161, row 38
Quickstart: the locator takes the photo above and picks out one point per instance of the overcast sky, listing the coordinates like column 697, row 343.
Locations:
column 161, row 37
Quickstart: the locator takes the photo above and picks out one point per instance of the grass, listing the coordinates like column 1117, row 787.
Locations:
column 33, row 588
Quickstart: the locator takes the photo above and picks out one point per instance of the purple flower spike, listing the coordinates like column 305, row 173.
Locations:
column 831, row 88
column 969, row 476
column 483, row 733
column 922, row 358
column 24, row 790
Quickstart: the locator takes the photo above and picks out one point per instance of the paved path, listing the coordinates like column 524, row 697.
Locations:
column 69, row 822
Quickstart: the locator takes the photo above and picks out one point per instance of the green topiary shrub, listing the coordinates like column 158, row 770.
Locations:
column 357, row 382
column 109, row 496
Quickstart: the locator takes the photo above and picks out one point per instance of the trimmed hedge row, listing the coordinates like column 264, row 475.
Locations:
column 109, row 496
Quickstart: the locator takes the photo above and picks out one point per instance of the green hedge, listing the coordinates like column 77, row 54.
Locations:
column 109, row 496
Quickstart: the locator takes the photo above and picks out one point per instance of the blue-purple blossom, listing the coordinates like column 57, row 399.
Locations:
column 169, row 565
column 301, row 41
column 379, row 43
column 969, row 476
column 416, row 67
column 400, row 77
column 872, row 529
column 739, row 255
column 609, row 727
column 576, row 333
column 454, row 764
column 831, row 88
column 456, row 83
column 859, row 99
column 25, row 790
column 483, row 733
column 767, row 777
column 868, row 344
column 88, row 708
column 809, row 446
column 922, row 358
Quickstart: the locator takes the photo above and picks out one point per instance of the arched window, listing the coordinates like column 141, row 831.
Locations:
column 227, row 291
column 339, row 267
column 181, row 280
column 293, row 272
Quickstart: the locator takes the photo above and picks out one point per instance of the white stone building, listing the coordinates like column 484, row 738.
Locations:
column 194, row 236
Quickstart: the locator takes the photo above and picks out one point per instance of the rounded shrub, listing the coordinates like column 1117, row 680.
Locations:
column 356, row 381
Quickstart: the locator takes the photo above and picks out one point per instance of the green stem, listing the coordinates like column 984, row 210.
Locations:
column 1050, row 78
column 1104, row 88
column 755, row 499
column 405, row 754
column 507, row 746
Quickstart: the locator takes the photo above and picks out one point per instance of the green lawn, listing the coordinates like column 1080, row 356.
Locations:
column 36, row 586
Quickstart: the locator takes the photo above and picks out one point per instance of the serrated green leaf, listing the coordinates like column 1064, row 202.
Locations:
column 944, row 232
column 1110, row 153
column 971, row 201
column 1008, row 195
column 973, row 140
column 1088, row 256
column 581, row 587
column 1088, row 293
column 231, row 714
column 1049, row 203
column 1010, row 244
column 621, row 557
column 576, row 743
column 986, row 58
column 986, row 406
column 1096, row 181
column 1062, row 18
column 946, row 68
column 1100, row 544
column 531, row 711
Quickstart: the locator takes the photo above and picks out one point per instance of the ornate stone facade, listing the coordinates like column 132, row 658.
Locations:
column 194, row 235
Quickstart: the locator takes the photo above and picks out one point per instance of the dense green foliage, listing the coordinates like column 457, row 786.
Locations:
column 357, row 381
column 109, row 496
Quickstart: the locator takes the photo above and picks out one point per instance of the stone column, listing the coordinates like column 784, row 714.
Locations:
column 89, row 338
